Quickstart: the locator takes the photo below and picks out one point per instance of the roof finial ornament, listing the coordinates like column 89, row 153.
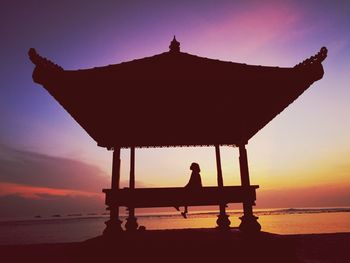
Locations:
column 41, row 61
column 174, row 46
column 318, row 58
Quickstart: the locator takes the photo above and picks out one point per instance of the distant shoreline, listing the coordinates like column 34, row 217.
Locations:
column 258, row 212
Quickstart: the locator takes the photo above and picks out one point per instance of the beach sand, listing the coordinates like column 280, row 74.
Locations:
column 189, row 245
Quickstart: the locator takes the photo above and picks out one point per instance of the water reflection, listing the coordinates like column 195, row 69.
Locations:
column 79, row 229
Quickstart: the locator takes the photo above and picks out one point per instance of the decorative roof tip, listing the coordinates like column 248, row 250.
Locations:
column 318, row 58
column 174, row 46
column 41, row 61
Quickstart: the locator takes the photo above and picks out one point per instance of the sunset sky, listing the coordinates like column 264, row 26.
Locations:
column 49, row 164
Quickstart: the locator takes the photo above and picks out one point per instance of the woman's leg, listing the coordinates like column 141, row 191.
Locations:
column 184, row 213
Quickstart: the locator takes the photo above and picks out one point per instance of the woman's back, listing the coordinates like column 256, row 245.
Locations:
column 195, row 180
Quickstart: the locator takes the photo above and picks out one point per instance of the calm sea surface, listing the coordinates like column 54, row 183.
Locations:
column 79, row 228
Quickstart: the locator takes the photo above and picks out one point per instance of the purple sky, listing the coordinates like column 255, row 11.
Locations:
column 43, row 149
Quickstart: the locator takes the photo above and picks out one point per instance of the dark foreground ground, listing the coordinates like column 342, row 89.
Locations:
column 195, row 245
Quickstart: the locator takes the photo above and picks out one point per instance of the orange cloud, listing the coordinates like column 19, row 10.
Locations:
column 320, row 196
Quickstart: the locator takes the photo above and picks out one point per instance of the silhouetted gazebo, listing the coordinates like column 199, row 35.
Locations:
column 176, row 99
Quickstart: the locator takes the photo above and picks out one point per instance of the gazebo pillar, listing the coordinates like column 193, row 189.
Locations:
column 131, row 221
column 223, row 222
column 113, row 225
column 249, row 222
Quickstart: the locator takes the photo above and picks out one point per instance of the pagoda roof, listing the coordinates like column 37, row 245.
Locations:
column 175, row 98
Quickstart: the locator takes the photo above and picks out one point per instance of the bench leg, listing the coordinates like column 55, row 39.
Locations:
column 223, row 220
column 131, row 222
column 113, row 225
column 249, row 222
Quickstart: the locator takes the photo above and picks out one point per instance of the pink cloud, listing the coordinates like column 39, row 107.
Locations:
column 34, row 192
column 248, row 33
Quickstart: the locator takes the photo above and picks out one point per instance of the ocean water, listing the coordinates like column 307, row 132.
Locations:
column 80, row 227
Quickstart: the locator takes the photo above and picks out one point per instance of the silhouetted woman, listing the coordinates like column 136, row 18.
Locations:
column 193, row 184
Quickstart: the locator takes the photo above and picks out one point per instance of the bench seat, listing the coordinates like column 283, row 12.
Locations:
column 179, row 196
